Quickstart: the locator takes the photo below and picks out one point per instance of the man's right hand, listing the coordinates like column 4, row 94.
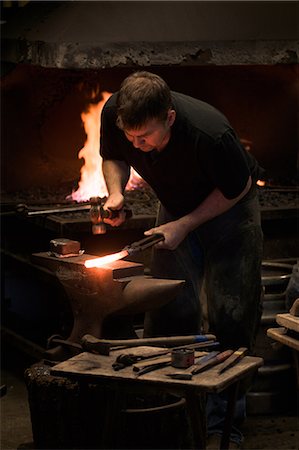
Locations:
column 115, row 202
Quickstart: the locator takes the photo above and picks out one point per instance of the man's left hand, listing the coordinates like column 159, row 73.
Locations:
column 174, row 233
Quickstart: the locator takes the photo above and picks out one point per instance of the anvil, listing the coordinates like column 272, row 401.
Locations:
column 120, row 287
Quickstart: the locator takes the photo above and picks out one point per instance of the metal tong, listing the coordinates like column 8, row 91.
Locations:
column 144, row 243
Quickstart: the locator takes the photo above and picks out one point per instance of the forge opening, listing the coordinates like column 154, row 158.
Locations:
column 43, row 131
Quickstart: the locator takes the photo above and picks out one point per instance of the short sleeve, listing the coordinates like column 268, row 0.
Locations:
column 110, row 134
column 227, row 165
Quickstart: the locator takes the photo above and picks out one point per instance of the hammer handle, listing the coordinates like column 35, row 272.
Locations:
column 102, row 346
column 113, row 213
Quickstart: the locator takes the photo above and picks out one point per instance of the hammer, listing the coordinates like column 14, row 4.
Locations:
column 98, row 214
column 103, row 346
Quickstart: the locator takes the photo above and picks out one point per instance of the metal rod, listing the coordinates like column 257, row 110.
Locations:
column 58, row 210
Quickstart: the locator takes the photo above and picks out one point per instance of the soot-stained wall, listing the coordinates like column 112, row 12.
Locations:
column 42, row 131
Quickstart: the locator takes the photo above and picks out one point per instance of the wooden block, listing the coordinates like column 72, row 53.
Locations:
column 288, row 320
column 279, row 334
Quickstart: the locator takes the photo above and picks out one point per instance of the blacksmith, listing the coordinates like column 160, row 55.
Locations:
column 205, row 180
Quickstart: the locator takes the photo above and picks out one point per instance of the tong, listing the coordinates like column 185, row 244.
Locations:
column 138, row 246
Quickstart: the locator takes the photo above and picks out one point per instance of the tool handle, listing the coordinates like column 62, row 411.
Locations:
column 91, row 343
column 233, row 359
column 217, row 359
column 152, row 367
column 114, row 213
column 144, row 243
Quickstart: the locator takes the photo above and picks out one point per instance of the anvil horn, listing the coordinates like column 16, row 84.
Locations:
column 144, row 293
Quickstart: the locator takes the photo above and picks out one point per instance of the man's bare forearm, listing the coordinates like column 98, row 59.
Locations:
column 116, row 174
column 214, row 205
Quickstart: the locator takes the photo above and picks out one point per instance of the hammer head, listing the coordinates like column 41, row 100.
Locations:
column 99, row 228
column 95, row 214
column 94, row 345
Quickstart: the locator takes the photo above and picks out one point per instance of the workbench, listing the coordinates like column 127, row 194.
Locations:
column 88, row 367
column 288, row 334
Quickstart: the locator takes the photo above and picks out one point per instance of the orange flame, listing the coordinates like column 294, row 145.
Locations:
column 99, row 262
column 92, row 183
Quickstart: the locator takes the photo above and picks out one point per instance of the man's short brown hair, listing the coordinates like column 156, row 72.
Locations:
column 142, row 96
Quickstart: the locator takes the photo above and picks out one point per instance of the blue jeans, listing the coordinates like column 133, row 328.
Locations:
column 215, row 411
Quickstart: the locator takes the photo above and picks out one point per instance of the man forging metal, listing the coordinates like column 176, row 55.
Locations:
column 188, row 152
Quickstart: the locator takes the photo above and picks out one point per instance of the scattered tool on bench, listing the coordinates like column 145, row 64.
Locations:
column 103, row 346
column 164, row 362
column 154, row 363
column 128, row 359
column 203, row 364
column 126, row 251
column 235, row 357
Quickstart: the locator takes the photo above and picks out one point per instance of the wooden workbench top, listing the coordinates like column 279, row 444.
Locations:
column 96, row 367
column 280, row 335
column 288, row 321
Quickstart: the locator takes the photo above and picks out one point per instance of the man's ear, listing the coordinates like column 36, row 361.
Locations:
column 171, row 117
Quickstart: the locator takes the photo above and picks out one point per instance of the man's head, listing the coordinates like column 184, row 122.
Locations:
column 144, row 110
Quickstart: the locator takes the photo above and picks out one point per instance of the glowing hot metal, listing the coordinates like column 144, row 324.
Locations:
column 99, row 262
column 128, row 250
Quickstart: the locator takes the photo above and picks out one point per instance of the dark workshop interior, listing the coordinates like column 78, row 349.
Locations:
column 60, row 62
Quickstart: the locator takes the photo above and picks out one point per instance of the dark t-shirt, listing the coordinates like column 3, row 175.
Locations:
column 203, row 153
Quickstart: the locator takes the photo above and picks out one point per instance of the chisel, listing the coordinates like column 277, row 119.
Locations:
column 220, row 357
column 233, row 359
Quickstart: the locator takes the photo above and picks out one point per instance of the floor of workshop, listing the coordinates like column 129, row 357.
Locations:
column 261, row 432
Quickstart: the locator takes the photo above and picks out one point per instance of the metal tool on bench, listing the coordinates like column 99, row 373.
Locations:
column 130, row 249
column 128, row 359
column 152, row 364
column 203, row 364
column 163, row 362
column 103, row 346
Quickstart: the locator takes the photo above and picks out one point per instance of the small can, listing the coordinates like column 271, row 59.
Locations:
column 182, row 357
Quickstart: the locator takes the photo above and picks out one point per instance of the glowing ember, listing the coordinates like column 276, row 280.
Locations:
column 261, row 183
column 99, row 262
column 92, row 183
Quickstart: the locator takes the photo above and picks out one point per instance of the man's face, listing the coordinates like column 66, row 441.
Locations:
column 153, row 135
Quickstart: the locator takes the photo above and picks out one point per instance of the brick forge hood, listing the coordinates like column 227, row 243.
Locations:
column 103, row 34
